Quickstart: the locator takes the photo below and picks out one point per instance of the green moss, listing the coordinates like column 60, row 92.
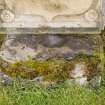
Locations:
column 53, row 69
column 1, row 39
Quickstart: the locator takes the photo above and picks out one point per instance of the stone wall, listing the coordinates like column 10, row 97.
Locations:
column 81, row 55
column 52, row 38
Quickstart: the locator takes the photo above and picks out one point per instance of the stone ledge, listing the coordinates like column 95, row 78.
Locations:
column 36, row 15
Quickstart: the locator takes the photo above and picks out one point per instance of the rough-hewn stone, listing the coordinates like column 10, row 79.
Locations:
column 43, row 48
column 24, row 47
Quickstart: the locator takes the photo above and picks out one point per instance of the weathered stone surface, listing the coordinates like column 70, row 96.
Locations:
column 103, row 8
column 36, row 17
column 51, row 16
column 24, row 47
column 5, row 79
column 95, row 81
column 43, row 48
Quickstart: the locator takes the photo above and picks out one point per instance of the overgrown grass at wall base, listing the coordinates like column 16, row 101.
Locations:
column 29, row 93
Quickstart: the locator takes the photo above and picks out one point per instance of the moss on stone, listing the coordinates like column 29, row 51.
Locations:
column 53, row 69
column 2, row 36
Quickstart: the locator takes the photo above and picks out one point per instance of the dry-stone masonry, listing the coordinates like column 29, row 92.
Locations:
column 55, row 29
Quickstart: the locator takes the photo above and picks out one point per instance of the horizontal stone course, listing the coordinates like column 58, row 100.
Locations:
column 52, row 16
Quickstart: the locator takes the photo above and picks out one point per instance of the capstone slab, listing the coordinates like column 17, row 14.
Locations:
column 51, row 16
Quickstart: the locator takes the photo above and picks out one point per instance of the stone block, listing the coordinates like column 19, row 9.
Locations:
column 51, row 16
column 24, row 47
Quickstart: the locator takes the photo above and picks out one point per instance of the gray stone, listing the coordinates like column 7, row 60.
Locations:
column 78, row 71
column 103, row 8
column 5, row 79
column 82, row 81
column 25, row 47
column 39, row 79
column 95, row 82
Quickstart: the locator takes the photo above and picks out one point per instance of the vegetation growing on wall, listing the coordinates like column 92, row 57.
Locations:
column 1, row 38
column 53, row 69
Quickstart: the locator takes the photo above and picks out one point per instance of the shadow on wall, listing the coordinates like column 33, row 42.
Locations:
column 103, row 38
column 1, row 38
